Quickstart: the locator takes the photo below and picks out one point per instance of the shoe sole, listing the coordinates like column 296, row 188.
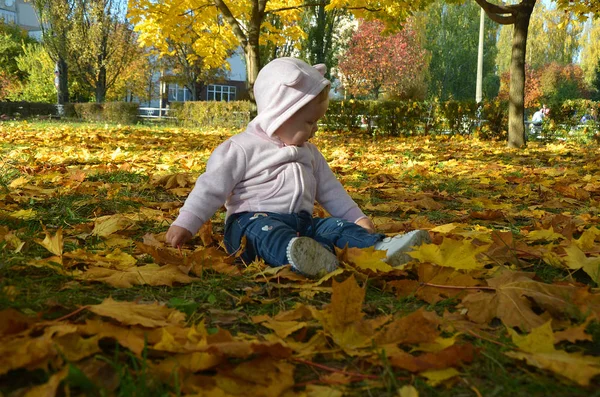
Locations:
column 311, row 258
column 401, row 257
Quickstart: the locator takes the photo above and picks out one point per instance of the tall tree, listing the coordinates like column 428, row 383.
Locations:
column 323, row 41
column 55, row 19
column 452, row 38
column 553, row 37
column 227, row 24
column 590, row 54
column 101, row 43
column 374, row 63
column 137, row 80
column 519, row 15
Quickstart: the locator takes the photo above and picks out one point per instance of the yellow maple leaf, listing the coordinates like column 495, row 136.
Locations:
column 435, row 377
column 587, row 240
column 24, row 214
column 107, row 225
column 451, row 253
column 448, row 227
column 544, row 234
column 538, row 350
column 369, row 259
column 576, row 259
column 539, row 340
column 408, row 391
column 53, row 243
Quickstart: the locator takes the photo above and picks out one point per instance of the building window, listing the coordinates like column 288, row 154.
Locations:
column 178, row 94
column 221, row 93
column 8, row 16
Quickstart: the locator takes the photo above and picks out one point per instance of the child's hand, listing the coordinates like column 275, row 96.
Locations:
column 367, row 224
column 177, row 236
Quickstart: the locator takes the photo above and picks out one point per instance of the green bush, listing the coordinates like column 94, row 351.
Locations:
column 234, row 114
column 494, row 115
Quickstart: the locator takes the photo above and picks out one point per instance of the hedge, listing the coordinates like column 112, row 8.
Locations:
column 112, row 112
column 417, row 117
column 488, row 119
column 27, row 109
column 233, row 114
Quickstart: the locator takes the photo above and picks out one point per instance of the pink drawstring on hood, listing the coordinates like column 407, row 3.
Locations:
column 282, row 88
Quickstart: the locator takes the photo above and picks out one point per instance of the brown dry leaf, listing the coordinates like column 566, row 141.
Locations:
column 437, row 275
column 74, row 347
column 161, row 255
column 263, row 376
column 28, row 350
column 206, row 234
column 512, row 301
column 211, row 258
column 147, row 315
column 132, row 338
column 417, row 327
column 343, row 318
column 13, row 322
column 173, row 181
column 575, row 334
column 452, row 356
column 150, row 274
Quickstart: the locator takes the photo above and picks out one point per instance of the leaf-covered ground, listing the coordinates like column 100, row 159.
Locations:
column 502, row 303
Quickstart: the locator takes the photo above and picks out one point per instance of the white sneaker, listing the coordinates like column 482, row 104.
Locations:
column 309, row 257
column 397, row 246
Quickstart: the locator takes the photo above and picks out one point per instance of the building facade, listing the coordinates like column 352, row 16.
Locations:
column 232, row 88
column 22, row 14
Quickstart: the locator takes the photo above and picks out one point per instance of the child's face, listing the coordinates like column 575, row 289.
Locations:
column 303, row 124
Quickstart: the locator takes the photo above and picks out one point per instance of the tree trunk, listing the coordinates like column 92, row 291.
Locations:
column 516, row 106
column 101, row 85
column 63, row 82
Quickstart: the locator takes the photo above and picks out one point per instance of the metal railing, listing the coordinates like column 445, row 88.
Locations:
column 154, row 113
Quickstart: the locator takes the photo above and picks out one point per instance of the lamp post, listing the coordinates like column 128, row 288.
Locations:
column 479, row 88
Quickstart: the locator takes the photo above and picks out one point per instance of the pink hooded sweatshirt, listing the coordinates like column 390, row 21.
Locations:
column 254, row 171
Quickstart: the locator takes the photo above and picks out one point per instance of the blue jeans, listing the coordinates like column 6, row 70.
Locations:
column 268, row 234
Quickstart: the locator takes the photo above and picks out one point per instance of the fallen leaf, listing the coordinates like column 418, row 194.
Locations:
column 130, row 313
column 451, row 253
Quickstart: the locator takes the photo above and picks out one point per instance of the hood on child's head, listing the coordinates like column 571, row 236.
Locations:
column 282, row 88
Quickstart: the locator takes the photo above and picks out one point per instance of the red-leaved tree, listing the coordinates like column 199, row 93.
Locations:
column 376, row 62
column 533, row 92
